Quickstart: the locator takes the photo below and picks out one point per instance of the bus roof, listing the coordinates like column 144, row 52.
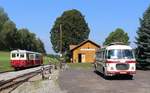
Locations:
column 118, row 47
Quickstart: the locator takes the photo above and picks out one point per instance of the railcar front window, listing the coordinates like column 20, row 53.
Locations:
column 13, row 55
column 17, row 55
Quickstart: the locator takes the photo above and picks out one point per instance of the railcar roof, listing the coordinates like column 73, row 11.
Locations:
column 25, row 51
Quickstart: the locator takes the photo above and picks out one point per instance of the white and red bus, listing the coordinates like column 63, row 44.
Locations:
column 23, row 59
column 116, row 59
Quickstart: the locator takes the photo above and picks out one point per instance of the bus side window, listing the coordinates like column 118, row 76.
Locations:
column 105, row 54
column 109, row 54
column 101, row 55
column 97, row 55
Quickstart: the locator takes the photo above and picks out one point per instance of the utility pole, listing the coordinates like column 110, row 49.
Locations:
column 60, row 40
column 60, row 46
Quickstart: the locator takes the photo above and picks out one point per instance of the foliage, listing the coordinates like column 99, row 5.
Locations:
column 74, row 30
column 11, row 38
column 143, row 39
column 53, row 56
column 117, row 36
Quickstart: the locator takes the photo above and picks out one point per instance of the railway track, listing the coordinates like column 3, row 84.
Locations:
column 6, row 71
column 7, row 86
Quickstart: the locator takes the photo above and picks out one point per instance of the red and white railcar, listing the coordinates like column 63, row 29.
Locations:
column 116, row 59
column 23, row 59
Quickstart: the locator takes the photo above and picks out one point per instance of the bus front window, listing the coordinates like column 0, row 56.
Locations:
column 127, row 54
column 114, row 54
column 120, row 54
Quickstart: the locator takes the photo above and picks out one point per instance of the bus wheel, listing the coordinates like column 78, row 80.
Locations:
column 130, row 77
column 105, row 74
column 95, row 67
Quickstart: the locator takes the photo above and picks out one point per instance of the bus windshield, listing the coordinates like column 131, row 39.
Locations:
column 120, row 54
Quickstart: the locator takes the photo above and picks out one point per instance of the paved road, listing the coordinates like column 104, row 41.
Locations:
column 87, row 81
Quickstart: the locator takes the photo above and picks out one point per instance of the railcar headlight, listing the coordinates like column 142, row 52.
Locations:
column 111, row 68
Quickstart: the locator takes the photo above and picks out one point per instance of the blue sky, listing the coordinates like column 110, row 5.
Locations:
column 102, row 16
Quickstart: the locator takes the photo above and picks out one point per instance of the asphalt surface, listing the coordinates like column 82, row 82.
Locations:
column 88, row 81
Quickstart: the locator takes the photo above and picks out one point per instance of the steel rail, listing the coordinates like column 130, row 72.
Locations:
column 13, row 83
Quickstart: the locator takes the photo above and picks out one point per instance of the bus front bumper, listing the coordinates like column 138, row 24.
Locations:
column 111, row 73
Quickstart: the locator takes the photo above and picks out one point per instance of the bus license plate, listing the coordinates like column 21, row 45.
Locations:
column 123, row 72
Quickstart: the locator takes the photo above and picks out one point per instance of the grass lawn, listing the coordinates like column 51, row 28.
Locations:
column 52, row 60
column 5, row 61
column 80, row 65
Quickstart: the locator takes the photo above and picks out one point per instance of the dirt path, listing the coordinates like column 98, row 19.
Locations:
column 87, row 81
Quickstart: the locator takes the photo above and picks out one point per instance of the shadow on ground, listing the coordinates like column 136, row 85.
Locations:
column 116, row 77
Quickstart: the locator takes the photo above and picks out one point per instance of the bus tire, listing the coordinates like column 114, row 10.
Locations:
column 95, row 67
column 105, row 75
column 130, row 77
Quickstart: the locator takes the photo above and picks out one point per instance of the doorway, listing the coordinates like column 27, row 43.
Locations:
column 81, row 58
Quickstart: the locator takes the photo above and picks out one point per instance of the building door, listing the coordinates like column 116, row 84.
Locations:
column 83, row 58
column 79, row 58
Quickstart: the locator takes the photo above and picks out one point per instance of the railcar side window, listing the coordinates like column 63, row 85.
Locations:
column 37, row 56
column 21, row 55
column 31, row 56
column 27, row 56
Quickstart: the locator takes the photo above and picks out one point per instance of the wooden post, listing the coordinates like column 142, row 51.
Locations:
column 42, row 72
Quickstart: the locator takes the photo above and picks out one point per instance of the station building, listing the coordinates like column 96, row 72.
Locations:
column 83, row 52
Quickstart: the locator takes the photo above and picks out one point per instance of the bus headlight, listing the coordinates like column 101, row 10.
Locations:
column 132, row 68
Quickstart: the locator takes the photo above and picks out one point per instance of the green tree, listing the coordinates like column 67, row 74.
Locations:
column 8, row 35
column 3, row 18
column 74, row 30
column 143, row 39
column 12, row 38
column 22, row 39
column 117, row 36
column 28, row 41
column 40, row 46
